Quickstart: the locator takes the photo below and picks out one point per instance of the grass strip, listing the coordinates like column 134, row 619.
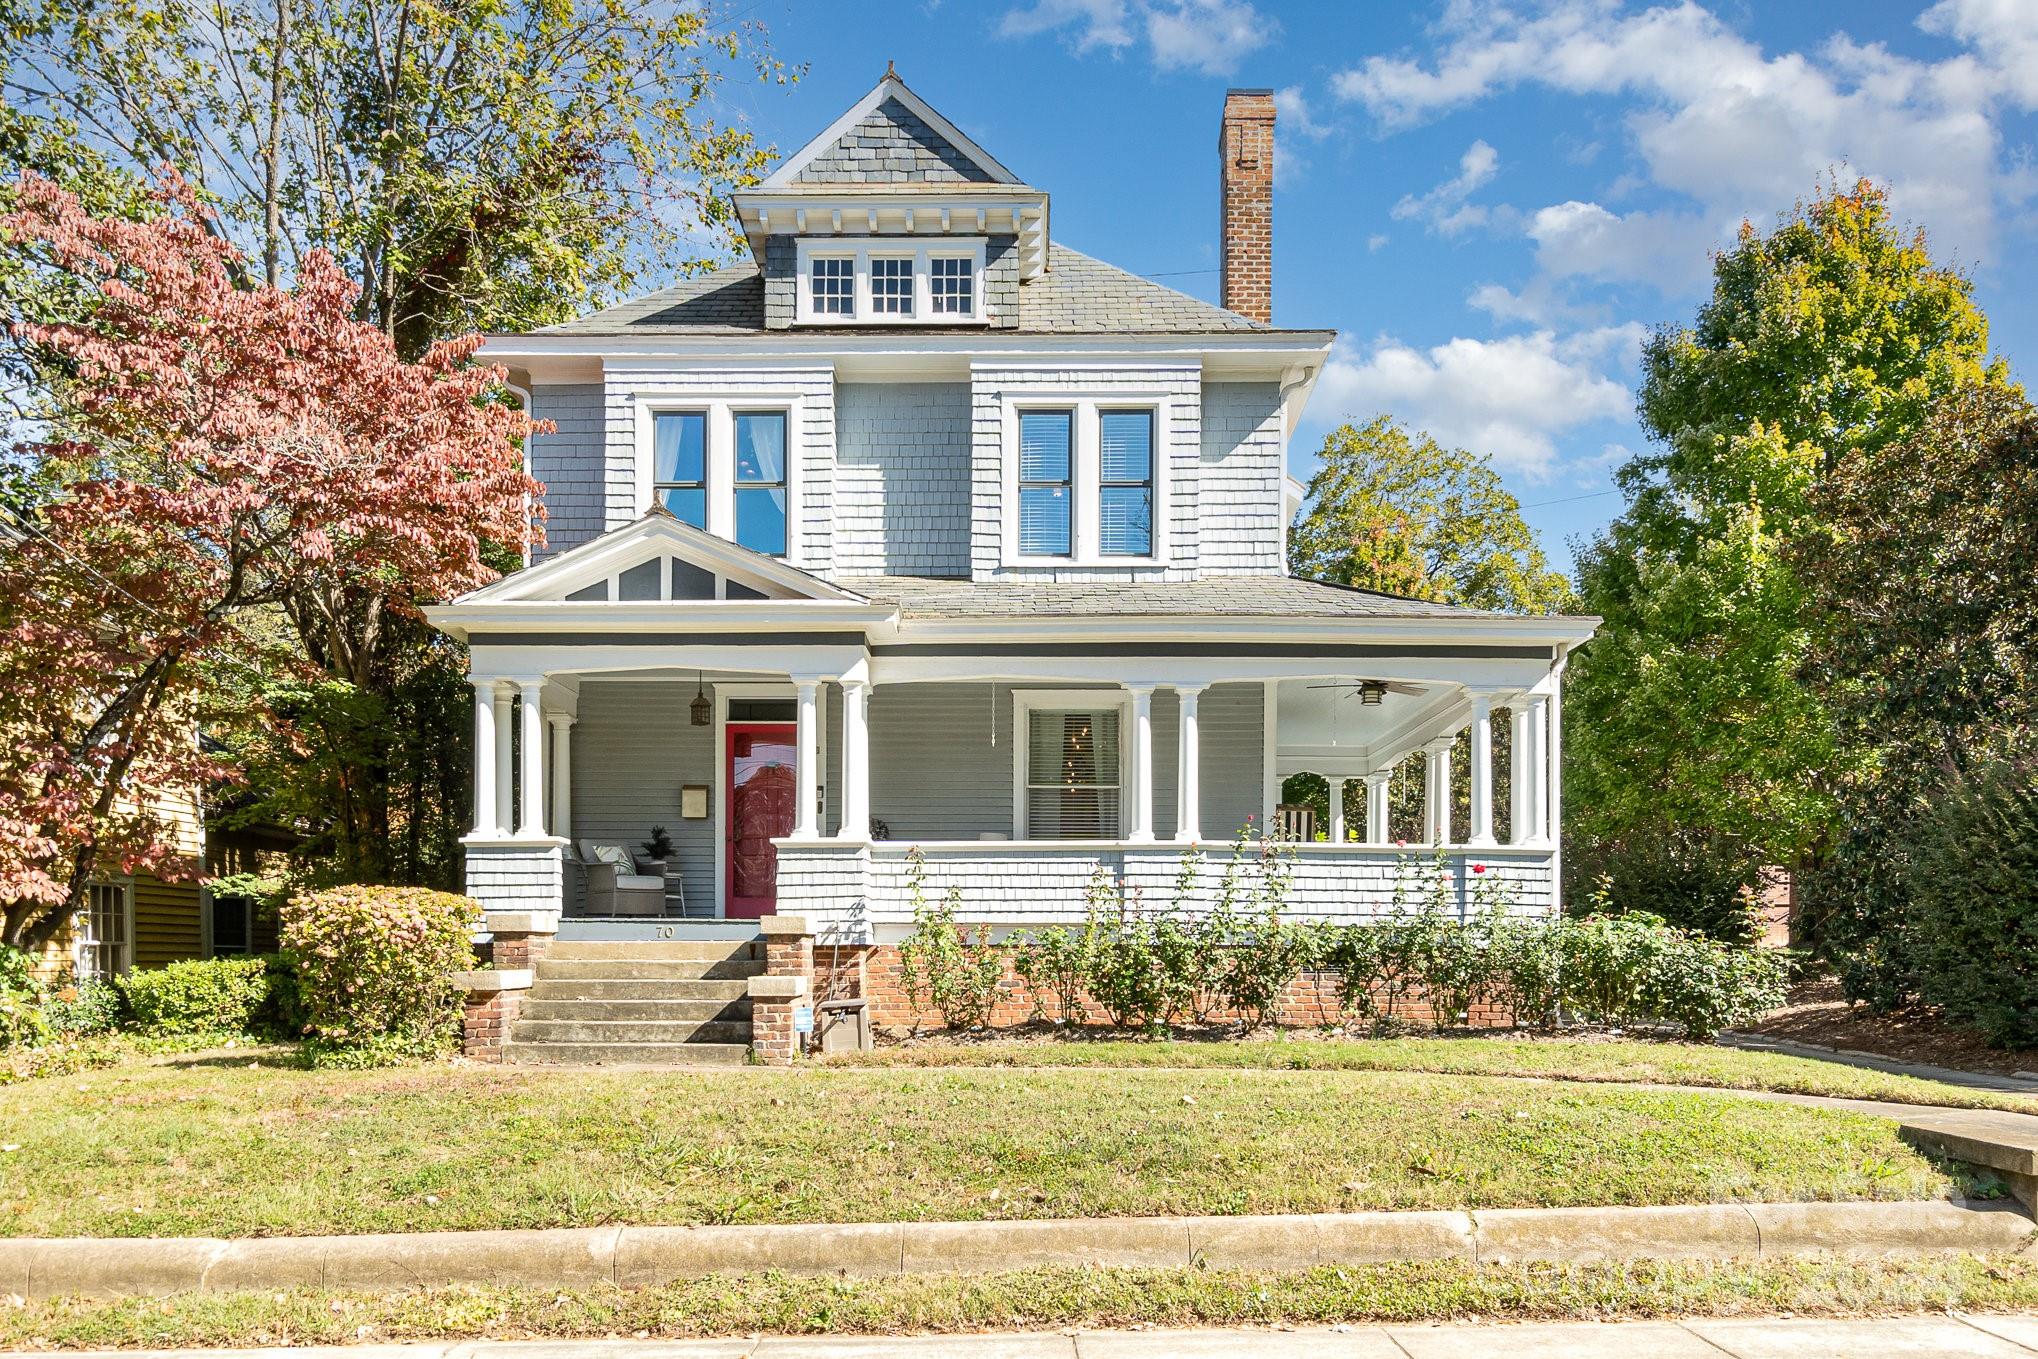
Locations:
column 1611, row 1060
column 1036, row 1299
column 159, row 1150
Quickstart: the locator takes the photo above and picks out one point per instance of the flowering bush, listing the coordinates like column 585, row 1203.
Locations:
column 375, row 969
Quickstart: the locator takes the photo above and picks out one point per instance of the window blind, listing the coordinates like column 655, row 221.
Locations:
column 1125, row 483
column 1044, row 483
column 1072, row 775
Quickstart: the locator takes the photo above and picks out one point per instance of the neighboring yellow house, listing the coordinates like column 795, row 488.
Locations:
column 141, row 921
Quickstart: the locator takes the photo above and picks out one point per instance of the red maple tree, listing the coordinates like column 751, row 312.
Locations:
column 211, row 450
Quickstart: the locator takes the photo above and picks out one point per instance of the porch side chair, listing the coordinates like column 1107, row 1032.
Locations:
column 614, row 886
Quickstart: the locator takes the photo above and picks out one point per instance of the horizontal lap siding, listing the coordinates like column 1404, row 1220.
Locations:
column 569, row 462
column 634, row 745
column 1228, row 728
column 167, row 928
column 936, row 770
column 902, row 479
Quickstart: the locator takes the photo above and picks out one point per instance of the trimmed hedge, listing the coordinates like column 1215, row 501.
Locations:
column 1971, row 926
column 208, row 996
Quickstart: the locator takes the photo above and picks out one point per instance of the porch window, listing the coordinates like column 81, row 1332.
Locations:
column 1044, row 466
column 679, row 469
column 760, row 481
column 1072, row 774
column 1125, row 483
column 106, row 930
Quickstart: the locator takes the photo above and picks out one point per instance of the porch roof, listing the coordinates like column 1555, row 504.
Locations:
column 935, row 597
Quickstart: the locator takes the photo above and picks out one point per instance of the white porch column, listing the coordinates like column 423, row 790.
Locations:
column 1535, row 829
column 1337, row 810
column 1436, row 791
column 855, row 763
column 1142, row 762
column 1270, row 771
column 531, row 809
column 1376, row 806
column 562, row 773
column 505, row 761
column 484, row 758
column 1521, row 763
column 1189, row 768
column 807, row 763
column 1482, row 771
column 1553, row 811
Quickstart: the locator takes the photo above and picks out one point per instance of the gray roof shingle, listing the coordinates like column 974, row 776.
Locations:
column 1076, row 295
column 1211, row 596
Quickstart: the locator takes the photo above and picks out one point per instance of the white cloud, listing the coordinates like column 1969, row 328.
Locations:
column 1376, row 240
column 1445, row 207
column 1744, row 132
column 1292, row 114
column 1585, row 240
column 1505, row 398
column 1211, row 36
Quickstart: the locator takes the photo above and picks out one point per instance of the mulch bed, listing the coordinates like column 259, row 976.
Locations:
column 1818, row 1013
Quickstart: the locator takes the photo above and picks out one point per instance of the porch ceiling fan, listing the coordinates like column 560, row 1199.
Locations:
column 1370, row 692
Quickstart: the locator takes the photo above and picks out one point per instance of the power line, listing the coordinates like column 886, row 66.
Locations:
column 1569, row 499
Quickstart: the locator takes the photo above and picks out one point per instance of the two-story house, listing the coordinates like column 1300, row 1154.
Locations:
column 921, row 528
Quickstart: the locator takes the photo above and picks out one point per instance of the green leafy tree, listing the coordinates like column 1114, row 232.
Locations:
column 1400, row 513
column 1694, row 726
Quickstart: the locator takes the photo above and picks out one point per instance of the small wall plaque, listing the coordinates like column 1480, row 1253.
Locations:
column 693, row 801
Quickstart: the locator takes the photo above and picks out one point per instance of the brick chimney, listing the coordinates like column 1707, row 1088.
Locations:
column 1245, row 177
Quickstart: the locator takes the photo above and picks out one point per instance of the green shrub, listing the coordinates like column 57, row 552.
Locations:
column 957, row 971
column 1702, row 985
column 282, row 1013
column 1054, row 963
column 22, row 1022
column 1696, row 882
column 375, row 969
column 1972, row 915
column 91, row 1007
column 209, row 996
column 1527, row 973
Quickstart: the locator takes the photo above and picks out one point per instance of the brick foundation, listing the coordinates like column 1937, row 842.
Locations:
column 518, row 940
column 871, row 973
column 485, row 1023
column 787, row 984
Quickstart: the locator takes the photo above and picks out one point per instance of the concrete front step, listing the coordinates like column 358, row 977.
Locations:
column 555, row 1032
column 639, row 969
column 640, row 988
column 655, row 950
column 626, row 1054
column 637, row 1010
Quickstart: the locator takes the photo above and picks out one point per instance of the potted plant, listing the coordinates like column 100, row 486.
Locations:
column 657, row 850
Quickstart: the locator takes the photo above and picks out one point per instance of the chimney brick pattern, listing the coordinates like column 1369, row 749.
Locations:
column 1245, row 148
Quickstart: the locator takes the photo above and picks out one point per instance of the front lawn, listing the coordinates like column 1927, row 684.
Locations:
column 234, row 1149
column 778, row 1304
column 1570, row 1059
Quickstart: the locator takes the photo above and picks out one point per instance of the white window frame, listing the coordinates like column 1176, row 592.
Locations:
column 722, row 408
column 862, row 250
column 81, row 934
column 1026, row 702
column 1085, row 479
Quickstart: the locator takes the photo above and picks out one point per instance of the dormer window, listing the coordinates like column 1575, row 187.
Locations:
column 883, row 281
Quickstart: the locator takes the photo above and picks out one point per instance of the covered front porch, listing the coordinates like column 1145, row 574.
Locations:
column 794, row 793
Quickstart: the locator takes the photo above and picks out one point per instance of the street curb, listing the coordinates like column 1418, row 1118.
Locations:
column 578, row 1257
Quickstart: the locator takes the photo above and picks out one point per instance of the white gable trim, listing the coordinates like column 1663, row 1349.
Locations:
column 654, row 535
column 894, row 88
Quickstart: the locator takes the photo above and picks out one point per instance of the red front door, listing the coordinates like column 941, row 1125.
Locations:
column 763, row 790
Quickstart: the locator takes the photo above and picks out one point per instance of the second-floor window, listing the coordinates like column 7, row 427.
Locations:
column 831, row 281
column 891, row 285
column 679, row 468
column 1125, row 483
column 725, row 464
column 1045, row 468
column 760, row 481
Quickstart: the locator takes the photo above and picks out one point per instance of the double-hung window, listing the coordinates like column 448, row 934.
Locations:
column 105, row 944
column 1072, row 763
column 1125, row 483
column 1086, row 478
column 1046, row 454
column 760, row 481
column 679, row 464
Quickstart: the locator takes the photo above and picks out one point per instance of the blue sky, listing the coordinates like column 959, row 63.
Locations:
column 1491, row 203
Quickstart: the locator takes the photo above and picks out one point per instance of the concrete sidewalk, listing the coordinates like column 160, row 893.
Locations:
column 1981, row 1337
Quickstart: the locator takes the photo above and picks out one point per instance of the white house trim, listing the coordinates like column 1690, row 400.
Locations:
column 861, row 250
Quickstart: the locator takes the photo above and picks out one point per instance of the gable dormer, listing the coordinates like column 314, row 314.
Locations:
column 894, row 218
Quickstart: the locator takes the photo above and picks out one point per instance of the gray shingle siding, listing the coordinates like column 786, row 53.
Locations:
column 781, row 281
column 1239, row 525
column 1001, row 282
column 892, row 145
column 569, row 462
column 902, row 479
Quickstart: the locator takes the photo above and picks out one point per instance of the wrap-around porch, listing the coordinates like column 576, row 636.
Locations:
column 1015, row 786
